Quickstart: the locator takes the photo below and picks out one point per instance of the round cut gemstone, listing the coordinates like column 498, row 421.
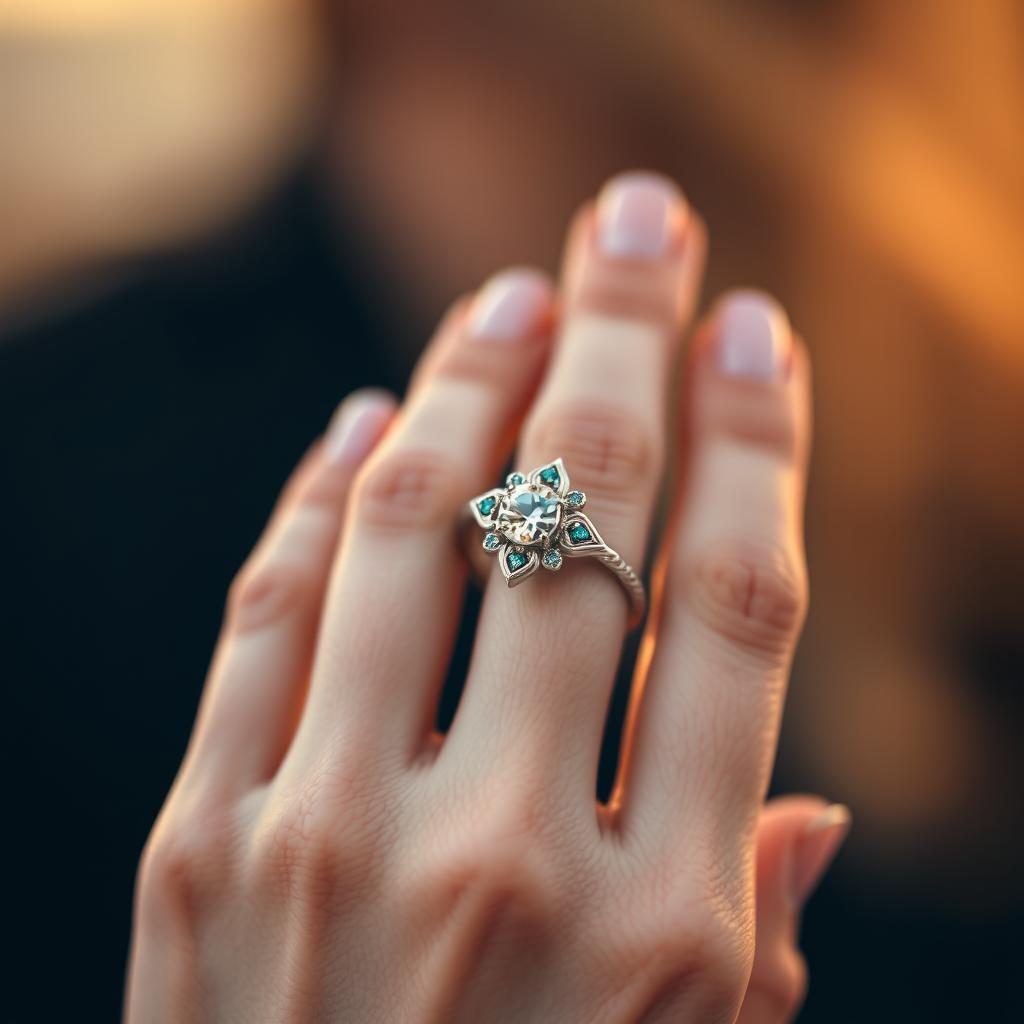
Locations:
column 491, row 542
column 530, row 514
column 576, row 498
column 514, row 479
column 552, row 559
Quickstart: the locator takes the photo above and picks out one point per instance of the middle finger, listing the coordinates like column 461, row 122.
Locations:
column 546, row 652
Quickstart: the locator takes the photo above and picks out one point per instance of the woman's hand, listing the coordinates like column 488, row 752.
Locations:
column 324, row 855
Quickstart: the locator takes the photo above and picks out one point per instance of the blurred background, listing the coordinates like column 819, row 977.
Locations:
column 219, row 216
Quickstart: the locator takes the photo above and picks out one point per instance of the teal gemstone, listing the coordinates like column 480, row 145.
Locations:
column 576, row 498
column 515, row 560
column 487, row 505
column 552, row 559
column 515, row 479
column 491, row 542
column 579, row 534
column 550, row 477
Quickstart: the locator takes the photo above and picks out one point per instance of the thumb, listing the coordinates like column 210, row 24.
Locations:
column 797, row 839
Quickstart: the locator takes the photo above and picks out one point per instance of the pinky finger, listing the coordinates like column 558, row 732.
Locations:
column 260, row 669
column 797, row 839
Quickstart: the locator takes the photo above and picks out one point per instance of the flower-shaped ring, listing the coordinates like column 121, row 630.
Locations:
column 537, row 520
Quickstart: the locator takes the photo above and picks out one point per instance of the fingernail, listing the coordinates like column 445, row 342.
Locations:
column 357, row 426
column 637, row 215
column 816, row 849
column 753, row 336
column 510, row 306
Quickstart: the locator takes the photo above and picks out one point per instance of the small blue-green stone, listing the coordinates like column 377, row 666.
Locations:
column 487, row 505
column 576, row 498
column 491, row 541
column 550, row 477
column 579, row 534
column 552, row 559
column 516, row 560
column 515, row 479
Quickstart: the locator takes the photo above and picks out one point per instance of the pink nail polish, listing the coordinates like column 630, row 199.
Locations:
column 357, row 426
column 510, row 306
column 753, row 336
column 637, row 215
column 816, row 849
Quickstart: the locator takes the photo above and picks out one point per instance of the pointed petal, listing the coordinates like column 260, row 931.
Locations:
column 579, row 536
column 485, row 507
column 517, row 565
column 557, row 468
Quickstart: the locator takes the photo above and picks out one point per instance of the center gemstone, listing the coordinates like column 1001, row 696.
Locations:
column 531, row 513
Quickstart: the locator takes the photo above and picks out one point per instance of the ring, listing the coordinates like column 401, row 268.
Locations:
column 537, row 520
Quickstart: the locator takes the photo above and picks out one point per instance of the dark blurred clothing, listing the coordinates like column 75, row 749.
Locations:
column 145, row 436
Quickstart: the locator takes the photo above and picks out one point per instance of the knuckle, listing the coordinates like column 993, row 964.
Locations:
column 318, row 846
column 765, row 421
column 407, row 490
column 608, row 449
column 782, row 984
column 755, row 598
column 696, row 954
column 182, row 865
column 635, row 293
column 793, row 985
column 504, row 847
column 302, row 862
column 498, row 866
column 267, row 592
column 719, row 952
column 471, row 365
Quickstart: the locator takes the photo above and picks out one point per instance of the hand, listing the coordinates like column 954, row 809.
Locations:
column 324, row 855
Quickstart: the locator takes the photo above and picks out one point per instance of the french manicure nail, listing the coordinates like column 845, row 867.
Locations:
column 816, row 849
column 637, row 214
column 510, row 306
column 753, row 336
column 356, row 427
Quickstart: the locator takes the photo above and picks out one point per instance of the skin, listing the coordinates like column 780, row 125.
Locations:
column 324, row 855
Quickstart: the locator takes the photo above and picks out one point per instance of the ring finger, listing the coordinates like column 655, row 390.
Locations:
column 546, row 652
